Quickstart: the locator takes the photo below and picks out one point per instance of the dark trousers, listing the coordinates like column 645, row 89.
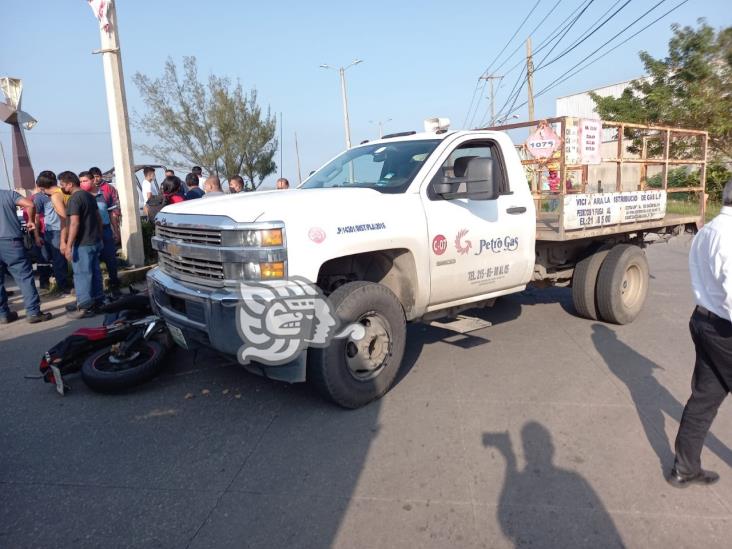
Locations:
column 52, row 245
column 38, row 255
column 14, row 259
column 710, row 384
column 87, row 275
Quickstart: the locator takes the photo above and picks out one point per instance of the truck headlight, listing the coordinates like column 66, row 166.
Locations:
column 273, row 270
column 253, row 238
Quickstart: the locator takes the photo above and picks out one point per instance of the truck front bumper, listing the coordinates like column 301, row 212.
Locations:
column 207, row 317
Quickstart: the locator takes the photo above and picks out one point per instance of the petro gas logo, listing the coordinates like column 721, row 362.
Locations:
column 439, row 244
column 462, row 248
column 498, row 245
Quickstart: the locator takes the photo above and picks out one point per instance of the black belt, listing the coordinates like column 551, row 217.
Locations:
column 706, row 313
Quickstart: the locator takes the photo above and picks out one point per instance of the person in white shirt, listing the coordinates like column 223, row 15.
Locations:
column 149, row 185
column 710, row 264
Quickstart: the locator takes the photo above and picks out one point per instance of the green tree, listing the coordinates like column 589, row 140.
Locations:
column 691, row 87
column 216, row 125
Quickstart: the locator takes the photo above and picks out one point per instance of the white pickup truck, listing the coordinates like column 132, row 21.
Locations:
column 411, row 227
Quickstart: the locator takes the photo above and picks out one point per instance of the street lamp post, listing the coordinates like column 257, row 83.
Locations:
column 342, row 74
column 380, row 123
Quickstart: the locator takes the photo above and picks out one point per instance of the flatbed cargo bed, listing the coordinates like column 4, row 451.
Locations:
column 600, row 178
column 548, row 227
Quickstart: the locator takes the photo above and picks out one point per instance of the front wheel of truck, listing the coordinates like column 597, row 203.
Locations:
column 352, row 373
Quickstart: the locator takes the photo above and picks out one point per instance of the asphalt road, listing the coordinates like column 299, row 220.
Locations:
column 543, row 430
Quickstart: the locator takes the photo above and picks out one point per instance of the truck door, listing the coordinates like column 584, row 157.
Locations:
column 478, row 247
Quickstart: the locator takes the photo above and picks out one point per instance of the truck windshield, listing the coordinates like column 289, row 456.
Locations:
column 385, row 167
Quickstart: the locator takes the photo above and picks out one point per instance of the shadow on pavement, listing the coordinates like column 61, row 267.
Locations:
column 233, row 459
column 554, row 294
column 543, row 505
column 204, row 455
column 419, row 335
column 650, row 397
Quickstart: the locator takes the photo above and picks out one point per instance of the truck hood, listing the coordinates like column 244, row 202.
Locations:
column 285, row 205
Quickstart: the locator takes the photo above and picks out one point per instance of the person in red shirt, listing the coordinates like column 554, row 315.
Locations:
column 170, row 193
column 171, row 190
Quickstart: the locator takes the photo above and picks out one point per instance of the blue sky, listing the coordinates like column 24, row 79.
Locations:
column 421, row 59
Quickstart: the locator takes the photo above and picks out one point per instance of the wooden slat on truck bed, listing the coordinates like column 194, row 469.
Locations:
column 547, row 227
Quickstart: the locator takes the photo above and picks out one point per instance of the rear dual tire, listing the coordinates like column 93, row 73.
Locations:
column 611, row 285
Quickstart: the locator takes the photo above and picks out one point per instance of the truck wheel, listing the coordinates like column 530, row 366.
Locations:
column 584, row 284
column 353, row 373
column 622, row 284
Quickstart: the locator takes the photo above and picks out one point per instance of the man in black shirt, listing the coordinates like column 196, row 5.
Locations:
column 83, row 246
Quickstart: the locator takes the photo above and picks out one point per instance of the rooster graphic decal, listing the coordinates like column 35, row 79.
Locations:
column 461, row 248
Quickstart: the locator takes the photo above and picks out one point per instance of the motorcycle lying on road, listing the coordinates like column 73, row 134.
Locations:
column 126, row 351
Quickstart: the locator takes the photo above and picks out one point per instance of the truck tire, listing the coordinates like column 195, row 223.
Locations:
column 353, row 373
column 103, row 375
column 622, row 284
column 584, row 284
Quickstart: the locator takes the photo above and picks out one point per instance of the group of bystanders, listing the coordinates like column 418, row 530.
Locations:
column 74, row 219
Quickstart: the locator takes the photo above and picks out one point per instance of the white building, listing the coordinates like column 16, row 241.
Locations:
column 581, row 104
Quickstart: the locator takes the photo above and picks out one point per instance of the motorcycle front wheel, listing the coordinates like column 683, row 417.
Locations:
column 107, row 372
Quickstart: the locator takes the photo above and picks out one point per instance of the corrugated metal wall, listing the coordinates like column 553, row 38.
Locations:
column 582, row 105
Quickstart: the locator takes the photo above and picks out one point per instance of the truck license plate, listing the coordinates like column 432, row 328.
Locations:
column 178, row 336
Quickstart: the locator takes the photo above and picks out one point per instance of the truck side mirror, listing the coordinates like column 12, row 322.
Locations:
column 447, row 186
column 482, row 180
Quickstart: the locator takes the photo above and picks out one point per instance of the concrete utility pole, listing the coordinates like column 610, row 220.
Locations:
column 297, row 154
column 281, row 144
column 342, row 74
column 530, row 78
column 131, row 230
column 490, row 78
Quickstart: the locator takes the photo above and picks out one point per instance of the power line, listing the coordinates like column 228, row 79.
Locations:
column 552, row 35
column 486, row 71
column 597, row 21
column 576, row 68
column 596, row 26
column 565, row 28
column 580, row 69
column 472, row 101
column 582, row 39
column 531, row 32
column 512, row 37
